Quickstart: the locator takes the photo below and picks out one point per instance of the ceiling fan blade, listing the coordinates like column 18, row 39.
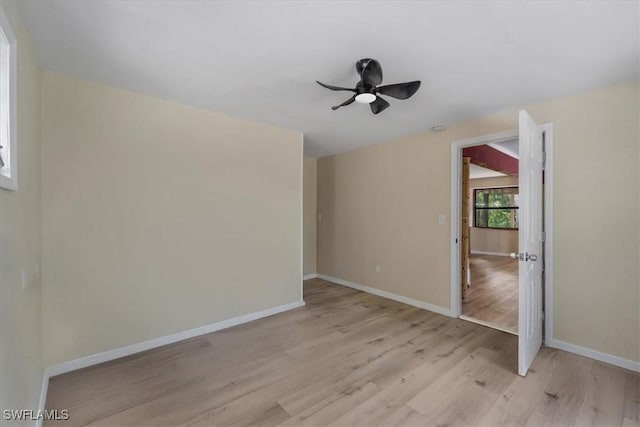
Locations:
column 347, row 102
column 372, row 73
column 335, row 87
column 378, row 105
column 400, row 90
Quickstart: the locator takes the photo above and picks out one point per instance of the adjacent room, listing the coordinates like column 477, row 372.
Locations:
column 278, row 213
column 490, row 229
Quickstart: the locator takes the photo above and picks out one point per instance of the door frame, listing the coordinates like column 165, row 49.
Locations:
column 456, row 201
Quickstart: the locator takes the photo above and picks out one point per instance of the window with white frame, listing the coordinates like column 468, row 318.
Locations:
column 8, row 149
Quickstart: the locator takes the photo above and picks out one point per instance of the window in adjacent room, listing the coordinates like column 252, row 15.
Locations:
column 8, row 149
column 496, row 208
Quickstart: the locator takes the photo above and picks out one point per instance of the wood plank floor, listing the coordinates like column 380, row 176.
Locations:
column 347, row 359
column 493, row 295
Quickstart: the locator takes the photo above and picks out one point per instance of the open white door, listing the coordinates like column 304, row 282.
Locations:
column 530, row 242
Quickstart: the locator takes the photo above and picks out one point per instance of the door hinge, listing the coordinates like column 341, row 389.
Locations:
column 544, row 160
column 544, row 236
column 543, row 315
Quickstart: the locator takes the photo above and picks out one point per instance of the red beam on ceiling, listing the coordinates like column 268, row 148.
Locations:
column 490, row 158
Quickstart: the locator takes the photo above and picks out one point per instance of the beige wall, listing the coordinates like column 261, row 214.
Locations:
column 380, row 205
column 159, row 217
column 310, row 215
column 493, row 241
column 20, row 327
column 488, row 239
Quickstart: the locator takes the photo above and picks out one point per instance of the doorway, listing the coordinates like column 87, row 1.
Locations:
column 489, row 234
column 537, row 295
column 489, row 200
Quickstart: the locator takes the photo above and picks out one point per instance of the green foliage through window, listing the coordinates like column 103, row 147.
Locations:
column 496, row 207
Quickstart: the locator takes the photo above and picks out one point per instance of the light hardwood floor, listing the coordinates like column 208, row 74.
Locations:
column 493, row 295
column 347, row 359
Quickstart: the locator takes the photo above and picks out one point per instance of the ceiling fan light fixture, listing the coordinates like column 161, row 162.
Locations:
column 368, row 88
column 365, row 98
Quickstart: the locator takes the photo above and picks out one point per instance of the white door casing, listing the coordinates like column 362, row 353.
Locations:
column 530, row 241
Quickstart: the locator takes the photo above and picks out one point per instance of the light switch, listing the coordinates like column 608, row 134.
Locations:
column 442, row 219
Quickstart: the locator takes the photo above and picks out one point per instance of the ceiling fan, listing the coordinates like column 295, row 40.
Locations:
column 367, row 90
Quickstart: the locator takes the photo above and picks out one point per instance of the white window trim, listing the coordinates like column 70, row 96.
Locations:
column 10, row 182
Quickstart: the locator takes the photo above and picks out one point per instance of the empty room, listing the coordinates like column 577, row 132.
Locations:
column 314, row 213
column 489, row 232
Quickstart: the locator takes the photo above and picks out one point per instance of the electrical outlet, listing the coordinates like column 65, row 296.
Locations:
column 378, row 268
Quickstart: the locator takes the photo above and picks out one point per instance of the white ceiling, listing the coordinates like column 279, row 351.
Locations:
column 476, row 172
column 510, row 147
column 259, row 60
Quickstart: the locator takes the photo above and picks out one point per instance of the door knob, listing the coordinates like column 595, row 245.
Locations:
column 524, row 256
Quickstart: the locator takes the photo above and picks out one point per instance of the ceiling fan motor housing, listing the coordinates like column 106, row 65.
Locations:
column 362, row 88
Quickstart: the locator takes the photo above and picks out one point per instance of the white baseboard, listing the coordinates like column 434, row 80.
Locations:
column 389, row 295
column 594, row 354
column 43, row 396
column 309, row 276
column 490, row 253
column 117, row 353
